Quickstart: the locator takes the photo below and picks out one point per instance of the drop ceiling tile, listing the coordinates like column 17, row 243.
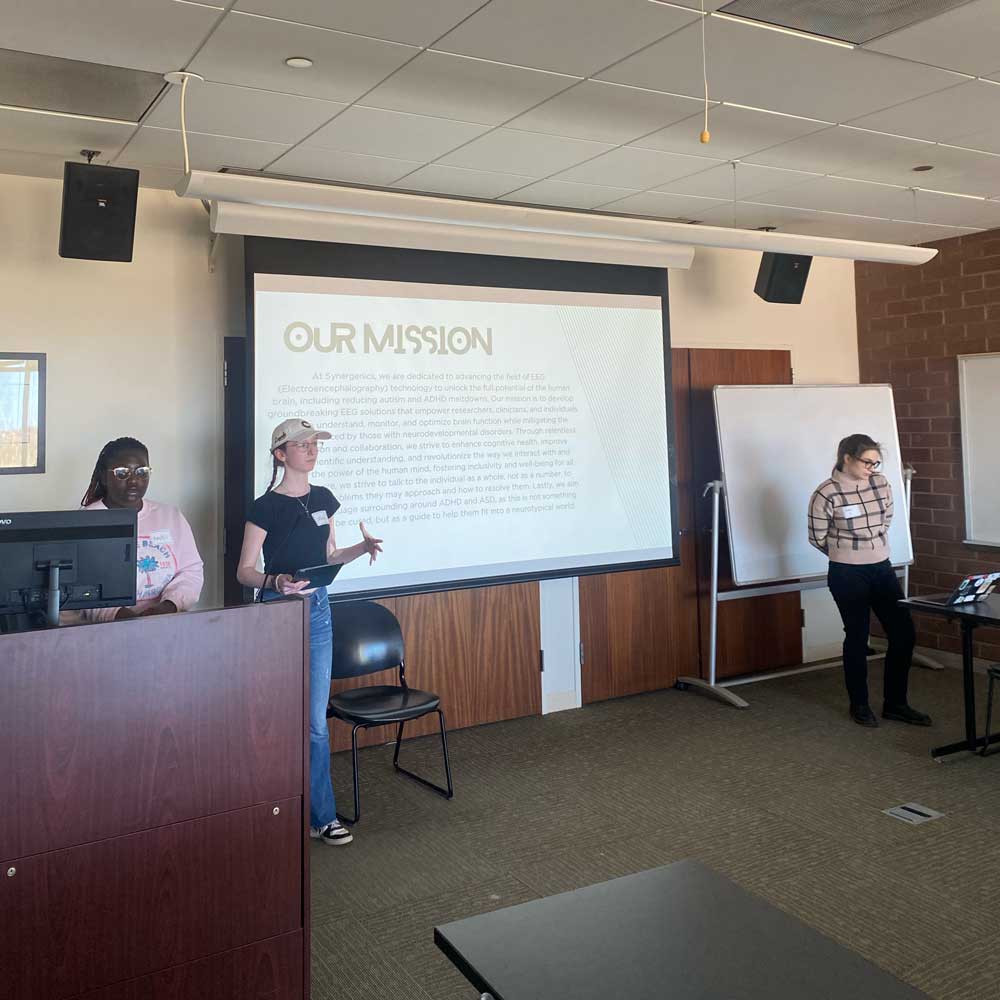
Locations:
column 392, row 133
column 950, row 210
column 966, row 39
column 963, row 172
column 567, row 36
column 632, row 167
column 660, row 205
column 565, row 195
column 946, row 116
column 832, row 194
column 251, row 51
column 220, row 109
column 735, row 132
column 531, row 154
column 438, row 179
column 841, row 150
column 69, row 86
column 395, row 20
column 62, row 135
column 158, row 147
column 140, row 34
column 351, row 168
column 802, row 77
column 607, row 112
column 469, row 90
column 741, row 183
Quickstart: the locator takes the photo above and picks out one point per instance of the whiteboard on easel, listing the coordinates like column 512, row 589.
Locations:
column 777, row 443
column 979, row 392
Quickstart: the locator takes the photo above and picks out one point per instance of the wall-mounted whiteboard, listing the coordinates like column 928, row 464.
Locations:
column 777, row 444
column 979, row 391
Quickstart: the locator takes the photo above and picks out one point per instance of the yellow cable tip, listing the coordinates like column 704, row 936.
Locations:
column 705, row 137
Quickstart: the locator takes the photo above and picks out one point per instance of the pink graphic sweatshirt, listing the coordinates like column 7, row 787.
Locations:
column 167, row 565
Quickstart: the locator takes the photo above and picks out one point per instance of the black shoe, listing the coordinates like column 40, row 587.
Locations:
column 903, row 713
column 864, row 716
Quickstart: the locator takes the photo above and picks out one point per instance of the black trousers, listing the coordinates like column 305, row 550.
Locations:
column 858, row 591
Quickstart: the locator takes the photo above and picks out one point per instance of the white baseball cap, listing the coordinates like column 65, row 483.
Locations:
column 296, row 429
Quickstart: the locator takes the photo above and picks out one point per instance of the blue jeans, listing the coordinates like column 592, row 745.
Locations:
column 322, row 805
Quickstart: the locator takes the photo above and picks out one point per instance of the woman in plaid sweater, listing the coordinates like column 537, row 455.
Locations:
column 849, row 518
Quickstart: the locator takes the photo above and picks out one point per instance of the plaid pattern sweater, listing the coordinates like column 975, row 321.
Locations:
column 849, row 518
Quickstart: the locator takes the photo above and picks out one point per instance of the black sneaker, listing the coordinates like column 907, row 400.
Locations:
column 864, row 716
column 903, row 713
column 333, row 833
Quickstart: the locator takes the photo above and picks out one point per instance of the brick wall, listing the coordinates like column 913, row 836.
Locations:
column 912, row 323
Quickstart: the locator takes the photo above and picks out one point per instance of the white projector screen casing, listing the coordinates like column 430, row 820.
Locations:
column 542, row 449
column 979, row 391
column 777, row 443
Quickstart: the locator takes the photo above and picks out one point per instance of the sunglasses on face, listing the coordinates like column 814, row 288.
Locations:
column 123, row 472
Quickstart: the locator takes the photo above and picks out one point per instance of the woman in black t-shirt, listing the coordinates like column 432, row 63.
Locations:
column 292, row 523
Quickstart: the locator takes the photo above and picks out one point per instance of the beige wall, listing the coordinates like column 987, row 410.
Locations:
column 137, row 348
column 133, row 349
column 713, row 305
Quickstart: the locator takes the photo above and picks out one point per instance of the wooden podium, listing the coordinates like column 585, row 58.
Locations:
column 154, row 808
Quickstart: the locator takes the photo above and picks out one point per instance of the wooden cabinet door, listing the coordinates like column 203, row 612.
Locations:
column 98, row 914
column 640, row 629
column 754, row 634
column 270, row 970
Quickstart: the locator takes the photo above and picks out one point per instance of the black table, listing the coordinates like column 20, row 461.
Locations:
column 681, row 932
column 969, row 616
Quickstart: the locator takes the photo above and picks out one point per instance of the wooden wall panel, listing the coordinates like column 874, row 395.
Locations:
column 640, row 629
column 118, row 909
column 478, row 649
column 110, row 729
column 755, row 634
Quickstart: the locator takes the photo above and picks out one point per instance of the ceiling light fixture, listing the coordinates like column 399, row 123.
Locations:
column 341, row 214
column 784, row 31
column 298, row 62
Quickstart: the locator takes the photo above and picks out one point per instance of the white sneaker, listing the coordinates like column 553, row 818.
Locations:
column 332, row 833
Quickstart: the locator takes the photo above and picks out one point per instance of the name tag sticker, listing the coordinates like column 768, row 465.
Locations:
column 855, row 510
column 163, row 537
column 319, row 516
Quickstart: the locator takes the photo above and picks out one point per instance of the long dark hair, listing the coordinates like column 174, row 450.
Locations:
column 96, row 490
column 854, row 446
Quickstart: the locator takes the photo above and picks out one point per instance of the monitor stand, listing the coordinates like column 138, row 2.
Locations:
column 54, row 602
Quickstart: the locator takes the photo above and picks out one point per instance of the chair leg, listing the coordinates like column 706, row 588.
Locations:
column 347, row 820
column 446, row 792
column 989, row 716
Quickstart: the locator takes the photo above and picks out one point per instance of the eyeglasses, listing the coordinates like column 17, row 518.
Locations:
column 123, row 472
column 305, row 445
column 869, row 464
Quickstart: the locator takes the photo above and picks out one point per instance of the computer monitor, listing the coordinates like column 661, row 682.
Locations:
column 65, row 560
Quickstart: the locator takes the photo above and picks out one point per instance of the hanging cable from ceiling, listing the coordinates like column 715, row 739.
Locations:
column 183, row 77
column 705, row 136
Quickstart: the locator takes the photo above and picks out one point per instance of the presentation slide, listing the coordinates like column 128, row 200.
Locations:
column 483, row 433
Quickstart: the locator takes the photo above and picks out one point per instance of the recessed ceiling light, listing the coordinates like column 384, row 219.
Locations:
column 923, row 167
column 298, row 62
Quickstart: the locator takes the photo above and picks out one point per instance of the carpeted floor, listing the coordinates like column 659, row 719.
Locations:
column 785, row 798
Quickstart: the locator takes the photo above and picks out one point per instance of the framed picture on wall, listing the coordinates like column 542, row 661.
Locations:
column 22, row 413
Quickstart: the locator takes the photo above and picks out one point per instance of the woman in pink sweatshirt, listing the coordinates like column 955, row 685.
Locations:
column 169, row 574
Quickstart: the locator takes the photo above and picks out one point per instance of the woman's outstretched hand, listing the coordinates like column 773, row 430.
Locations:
column 373, row 546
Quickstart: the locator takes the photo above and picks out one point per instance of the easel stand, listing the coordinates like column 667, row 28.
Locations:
column 720, row 689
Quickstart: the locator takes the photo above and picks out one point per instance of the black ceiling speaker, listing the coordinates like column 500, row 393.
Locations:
column 98, row 212
column 782, row 277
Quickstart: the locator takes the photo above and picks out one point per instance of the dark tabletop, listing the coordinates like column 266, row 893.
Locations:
column 681, row 932
column 981, row 613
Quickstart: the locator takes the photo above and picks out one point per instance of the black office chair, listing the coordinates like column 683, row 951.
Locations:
column 993, row 673
column 367, row 639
